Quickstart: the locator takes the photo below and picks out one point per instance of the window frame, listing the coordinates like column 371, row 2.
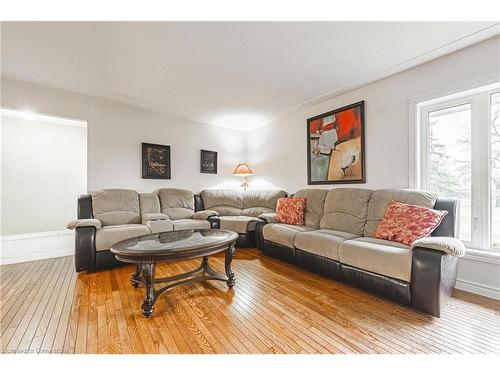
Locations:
column 481, row 194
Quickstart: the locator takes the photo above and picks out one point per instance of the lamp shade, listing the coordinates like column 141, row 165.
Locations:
column 242, row 170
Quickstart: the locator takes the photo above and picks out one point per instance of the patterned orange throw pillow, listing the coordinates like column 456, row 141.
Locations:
column 291, row 211
column 406, row 223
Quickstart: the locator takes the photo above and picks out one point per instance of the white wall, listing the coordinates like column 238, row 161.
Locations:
column 43, row 169
column 115, row 133
column 278, row 152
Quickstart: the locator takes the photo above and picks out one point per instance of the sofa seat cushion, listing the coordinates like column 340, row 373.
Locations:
column 159, row 226
column 183, row 224
column 283, row 234
column 323, row 242
column 238, row 224
column 109, row 235
column 383, row 257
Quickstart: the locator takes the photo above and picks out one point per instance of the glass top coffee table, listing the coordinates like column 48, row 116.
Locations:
column 146, row 251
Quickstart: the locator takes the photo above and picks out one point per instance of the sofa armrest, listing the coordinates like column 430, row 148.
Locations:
column 433, row 278
column 204, row 215
column 448, row 245
column 268, row 217
column 84, row 223
column 154, row 216
column 259, row 235
column 85, row 253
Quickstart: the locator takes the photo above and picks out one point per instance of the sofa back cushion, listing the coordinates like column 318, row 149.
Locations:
column 380, row 199
column 315, row 202
column 116, row 206
column 225, row 202
column 345, row 210
column 260, row 201
column 176, row 203
column 149, row 203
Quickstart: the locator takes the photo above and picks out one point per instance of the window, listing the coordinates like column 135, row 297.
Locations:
column 459, row 156
column 495, row 170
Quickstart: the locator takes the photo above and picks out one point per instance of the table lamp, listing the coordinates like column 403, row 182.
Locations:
column 243, row 170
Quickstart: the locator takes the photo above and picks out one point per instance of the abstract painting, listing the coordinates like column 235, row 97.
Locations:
column 336, row 146
column 155, row 161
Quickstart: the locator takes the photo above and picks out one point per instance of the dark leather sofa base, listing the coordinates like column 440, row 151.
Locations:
column 259, row 237
column 246, row 239
column 106, row 259
column 279, row 251
column 318, row 264
column 387, row 287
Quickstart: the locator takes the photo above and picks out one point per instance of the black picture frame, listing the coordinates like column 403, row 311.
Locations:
column 358, row 106
column 208, row 162
column 156, row 161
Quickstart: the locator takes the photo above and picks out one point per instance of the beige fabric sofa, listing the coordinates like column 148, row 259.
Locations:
column 238, row 211
column 337, row 241
column 108, row 216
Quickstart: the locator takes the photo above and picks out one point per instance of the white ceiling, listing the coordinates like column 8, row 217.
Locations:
column 234, row 74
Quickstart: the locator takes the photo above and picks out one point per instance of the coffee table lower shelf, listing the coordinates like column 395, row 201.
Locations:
column 144, row 275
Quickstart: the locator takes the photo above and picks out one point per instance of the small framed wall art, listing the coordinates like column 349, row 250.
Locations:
column 156, row 161
column 208, row 162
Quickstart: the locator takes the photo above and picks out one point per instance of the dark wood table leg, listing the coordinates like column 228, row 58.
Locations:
column 148, row 273
column 227, row 262
column 205, row 265
column 135, row 280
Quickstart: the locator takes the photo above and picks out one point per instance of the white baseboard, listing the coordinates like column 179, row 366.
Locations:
column 24, row 236
column 477, row 288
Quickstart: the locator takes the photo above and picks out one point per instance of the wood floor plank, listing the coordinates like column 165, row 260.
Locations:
column 16, row 285
column 275, row 307
column 144, row 331
column 63, row 326
column 23, row 295
column 303, row 291
column 55, row 343
column 50, row 318
column 13, row 333
column 303, row 294
column 41, row 310
column 116, row 306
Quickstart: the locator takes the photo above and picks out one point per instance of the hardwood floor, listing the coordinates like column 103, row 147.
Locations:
column 274, row 308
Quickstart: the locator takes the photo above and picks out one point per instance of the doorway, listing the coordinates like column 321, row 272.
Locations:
column 43, row 170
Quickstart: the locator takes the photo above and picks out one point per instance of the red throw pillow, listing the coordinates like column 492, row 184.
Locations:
column 290, row 211
column 406, row 223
